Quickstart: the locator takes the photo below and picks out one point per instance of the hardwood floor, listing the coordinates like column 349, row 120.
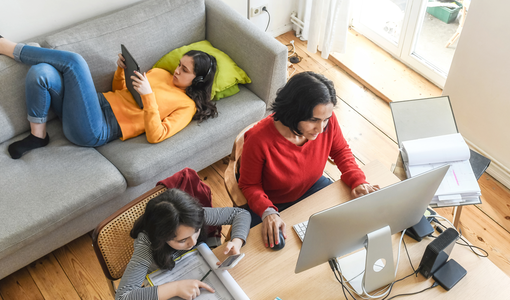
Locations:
column 72, row 271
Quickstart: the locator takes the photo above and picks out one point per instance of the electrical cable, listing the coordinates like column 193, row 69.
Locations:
column 382, row 293
column 333, row 266
column 393, row 283
column 269, row 17
column 415, row 293
column 336, row 268
column 293, row 57
column 293, row 50
column 408, row 257
column 388, row 287
column 483, row 253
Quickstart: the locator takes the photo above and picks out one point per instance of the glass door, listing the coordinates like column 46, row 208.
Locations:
column 420, row 33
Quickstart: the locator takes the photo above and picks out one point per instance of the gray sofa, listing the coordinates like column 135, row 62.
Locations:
column 57, row 193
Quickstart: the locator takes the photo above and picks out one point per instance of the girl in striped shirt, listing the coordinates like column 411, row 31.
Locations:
column 174, row 223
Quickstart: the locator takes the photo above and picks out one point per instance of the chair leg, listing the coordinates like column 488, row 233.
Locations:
column 111, row 285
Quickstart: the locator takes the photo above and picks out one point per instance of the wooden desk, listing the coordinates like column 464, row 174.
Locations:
column 266, row 274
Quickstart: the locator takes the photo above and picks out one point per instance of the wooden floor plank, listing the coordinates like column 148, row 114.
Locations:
column 220, row 166
column 220, row 197
column 332, row 171
column 495, row 201
column 302, row 49
column 390, row 79
column 51, row 279
column 307, row 62
column 371, row 107
column 482, row 232
column 19, row 285
column 79, row 262
column 367, row 142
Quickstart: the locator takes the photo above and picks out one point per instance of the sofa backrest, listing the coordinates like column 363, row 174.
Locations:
column 13, row 112
column 149, row 29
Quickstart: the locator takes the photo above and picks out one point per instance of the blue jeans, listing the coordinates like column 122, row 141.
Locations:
column 62, row 80
column 317, row 186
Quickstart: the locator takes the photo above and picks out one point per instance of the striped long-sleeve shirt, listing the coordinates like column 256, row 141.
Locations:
column 142, row 261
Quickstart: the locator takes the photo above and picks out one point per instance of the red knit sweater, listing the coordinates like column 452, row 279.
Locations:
column 274, row 170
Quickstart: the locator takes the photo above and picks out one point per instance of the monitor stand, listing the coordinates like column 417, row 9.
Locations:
column 376, row 262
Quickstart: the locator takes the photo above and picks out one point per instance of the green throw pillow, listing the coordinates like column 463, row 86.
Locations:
column 228, row 74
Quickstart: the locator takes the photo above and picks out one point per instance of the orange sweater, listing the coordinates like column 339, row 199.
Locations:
column 166, row 111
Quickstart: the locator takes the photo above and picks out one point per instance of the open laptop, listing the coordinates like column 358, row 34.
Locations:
column 131, row 66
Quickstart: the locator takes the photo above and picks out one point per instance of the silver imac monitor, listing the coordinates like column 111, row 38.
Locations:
column 367, row 223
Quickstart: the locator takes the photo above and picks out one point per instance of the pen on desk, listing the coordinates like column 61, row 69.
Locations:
column 206, row 274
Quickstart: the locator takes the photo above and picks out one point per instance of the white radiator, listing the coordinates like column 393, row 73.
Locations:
column 301, row 19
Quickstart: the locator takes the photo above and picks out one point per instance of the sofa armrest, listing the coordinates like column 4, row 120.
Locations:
column 261, row 56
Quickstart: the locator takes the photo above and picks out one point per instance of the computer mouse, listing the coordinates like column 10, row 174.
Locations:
column 281, row 244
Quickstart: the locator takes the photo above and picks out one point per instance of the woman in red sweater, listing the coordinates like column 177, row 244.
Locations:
column 285, row 154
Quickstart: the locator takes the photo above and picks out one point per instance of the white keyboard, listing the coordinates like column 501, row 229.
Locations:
column 300, row 229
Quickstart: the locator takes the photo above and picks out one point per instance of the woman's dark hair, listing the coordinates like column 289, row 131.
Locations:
column 201, row 87
column 297, row 99
column 163, row 215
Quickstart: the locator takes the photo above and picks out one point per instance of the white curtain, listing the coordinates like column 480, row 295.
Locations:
column 329, row 22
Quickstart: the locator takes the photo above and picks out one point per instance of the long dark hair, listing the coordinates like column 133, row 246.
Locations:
column 201, row 87
column 297, row 99
column 163, row 215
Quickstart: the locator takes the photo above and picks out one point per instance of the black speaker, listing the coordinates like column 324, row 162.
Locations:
column 437, row 252
column 420, row 230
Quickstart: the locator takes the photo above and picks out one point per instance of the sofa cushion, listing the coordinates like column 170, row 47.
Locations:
column 149, row 29
column 227, row 76
column 140, row 161
column 13, row 111
column 50, row 186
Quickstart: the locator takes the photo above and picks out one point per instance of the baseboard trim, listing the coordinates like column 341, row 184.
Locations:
column 281, row 30
column 496, row 169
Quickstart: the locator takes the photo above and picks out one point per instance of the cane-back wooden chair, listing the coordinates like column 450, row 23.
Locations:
column 111, row 240
column 231, row 175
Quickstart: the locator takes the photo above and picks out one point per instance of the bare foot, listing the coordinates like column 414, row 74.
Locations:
column 6, row 47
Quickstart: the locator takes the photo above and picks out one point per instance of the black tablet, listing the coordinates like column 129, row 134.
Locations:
column 131, row 66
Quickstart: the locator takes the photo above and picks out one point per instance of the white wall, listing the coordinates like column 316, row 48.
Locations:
column 279, row 10
column 24, row 19
column 479, row 84
column 241, row 6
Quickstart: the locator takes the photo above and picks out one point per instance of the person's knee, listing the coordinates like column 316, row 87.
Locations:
column 42, row 74
column 75, row 60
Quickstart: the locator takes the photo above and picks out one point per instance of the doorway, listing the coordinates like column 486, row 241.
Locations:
column 414, row 31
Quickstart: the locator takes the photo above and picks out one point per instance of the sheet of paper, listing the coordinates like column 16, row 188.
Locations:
column 225, row 277
column 459, row 179
column 193, row 266
column 438, row 149
column 465, row 201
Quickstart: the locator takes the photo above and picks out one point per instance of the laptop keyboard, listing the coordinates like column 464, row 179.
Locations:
column 300, row 229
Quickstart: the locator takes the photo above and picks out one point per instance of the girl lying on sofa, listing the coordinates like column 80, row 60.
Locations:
column 62, row 80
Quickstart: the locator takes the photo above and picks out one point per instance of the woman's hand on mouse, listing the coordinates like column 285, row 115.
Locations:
column 141, row 83
column 270, row 230
column 120, row 61
column 364, row 189
column 233, row 247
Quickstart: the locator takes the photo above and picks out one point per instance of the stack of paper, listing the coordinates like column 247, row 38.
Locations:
column 459, row 185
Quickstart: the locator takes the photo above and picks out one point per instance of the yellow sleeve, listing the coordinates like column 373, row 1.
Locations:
column 158, row 130
column 119, row 82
